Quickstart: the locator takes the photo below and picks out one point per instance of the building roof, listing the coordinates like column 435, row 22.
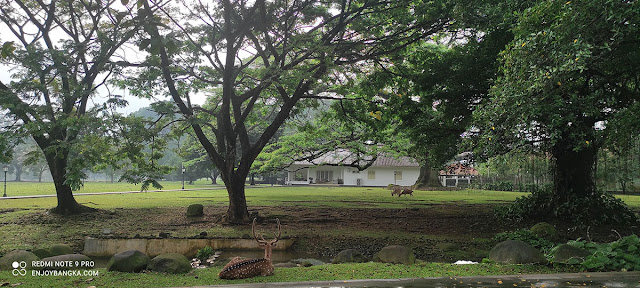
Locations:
column 346, row 158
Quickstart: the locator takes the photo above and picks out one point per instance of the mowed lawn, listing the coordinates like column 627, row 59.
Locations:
column 47, row 188
column 360, row 197
column 307, row 196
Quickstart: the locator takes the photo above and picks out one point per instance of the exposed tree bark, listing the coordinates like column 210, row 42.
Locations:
column 18, row 173
column 428, row 178
column 67, row 204
column 573, row 172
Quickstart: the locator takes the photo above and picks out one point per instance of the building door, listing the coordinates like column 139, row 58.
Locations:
column 324, row 176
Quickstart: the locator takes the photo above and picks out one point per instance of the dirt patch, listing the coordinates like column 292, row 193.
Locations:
column 466, row 230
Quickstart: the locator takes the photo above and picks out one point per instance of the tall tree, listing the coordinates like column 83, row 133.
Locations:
column 63, row 51
column 572, row 69
column 270, row 54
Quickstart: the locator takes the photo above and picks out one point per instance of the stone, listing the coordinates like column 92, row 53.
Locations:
column 516, row 252
column 567, row 254
column 308, row 262
column 60, row 249
column 42, row 253
column 73, row 258
column 395, row 254
column 349, row 256
column 6, row 261
column 172, row 263
column 544, row 230
column 132, row 261
column 195, row 210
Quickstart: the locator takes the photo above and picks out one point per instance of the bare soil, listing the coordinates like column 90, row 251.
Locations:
column 440, row 232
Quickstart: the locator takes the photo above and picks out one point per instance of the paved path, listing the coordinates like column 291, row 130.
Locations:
column 601, row 279
column 124, row 192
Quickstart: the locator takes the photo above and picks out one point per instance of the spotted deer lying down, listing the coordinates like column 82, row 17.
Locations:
column 239, row 268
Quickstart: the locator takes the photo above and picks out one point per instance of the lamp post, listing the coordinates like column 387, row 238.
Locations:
column 183, row 170
column 5, row 169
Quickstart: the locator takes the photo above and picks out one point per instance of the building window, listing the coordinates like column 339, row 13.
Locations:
column 371, row 175
column 398, row 175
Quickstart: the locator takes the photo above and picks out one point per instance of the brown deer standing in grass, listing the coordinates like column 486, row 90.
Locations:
column 401, row 190
column 239, row 268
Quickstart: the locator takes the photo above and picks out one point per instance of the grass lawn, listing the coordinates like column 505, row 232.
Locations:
column 336, row 217
column 47, row 188
column 317, row 273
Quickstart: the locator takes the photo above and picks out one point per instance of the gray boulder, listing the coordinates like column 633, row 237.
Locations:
column 6, row 262
column 131, row 261
column 60, row 249
column 195, row 210
column 308, row 262
column 73, row 258
column 172, row 263
column 349, row 256
column 544, row 230
column 567, row 254
column 516, row 252
column 42, row 253
column 395, row 254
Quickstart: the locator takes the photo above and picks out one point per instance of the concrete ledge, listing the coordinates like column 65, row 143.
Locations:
column 153, row 247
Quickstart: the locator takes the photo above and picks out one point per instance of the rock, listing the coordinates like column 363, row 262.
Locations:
column 567, row 254
column 73, row 258
column 308, row 262
column 395, row 254
column 285, row 265
column 195, row 210
column 349, row 256
column 131, row 261
column 172, row 263
column 544, row 230
column 60, row 249
column 516, row 252
column 42, row 253
column 164, row 235
column 6, row 262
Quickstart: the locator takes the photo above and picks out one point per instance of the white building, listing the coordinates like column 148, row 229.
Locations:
column 384, row 171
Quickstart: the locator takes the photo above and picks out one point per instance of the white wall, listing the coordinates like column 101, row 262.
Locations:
column 383, row 175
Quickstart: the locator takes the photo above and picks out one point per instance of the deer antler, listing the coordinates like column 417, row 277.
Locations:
column 253, row 230
column 279, row 232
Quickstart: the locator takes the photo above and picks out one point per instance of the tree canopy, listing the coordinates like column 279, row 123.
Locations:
column 569, row 81
column 269, row 54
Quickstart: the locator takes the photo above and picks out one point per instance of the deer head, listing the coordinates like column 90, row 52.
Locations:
column 267, row 245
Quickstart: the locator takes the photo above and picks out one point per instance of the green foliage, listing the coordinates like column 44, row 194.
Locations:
column 525, row 235
column 599, row 209
column 620, row 255
column 204, row 253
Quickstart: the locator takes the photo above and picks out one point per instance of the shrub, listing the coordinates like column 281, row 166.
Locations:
column 204, row 253
column 598, row 209
column 619, row 255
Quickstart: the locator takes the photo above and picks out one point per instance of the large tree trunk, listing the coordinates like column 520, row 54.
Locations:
column 66, row 202
column 427, row 178
column 237, row 213
column 573, row 173
column 18, row 172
